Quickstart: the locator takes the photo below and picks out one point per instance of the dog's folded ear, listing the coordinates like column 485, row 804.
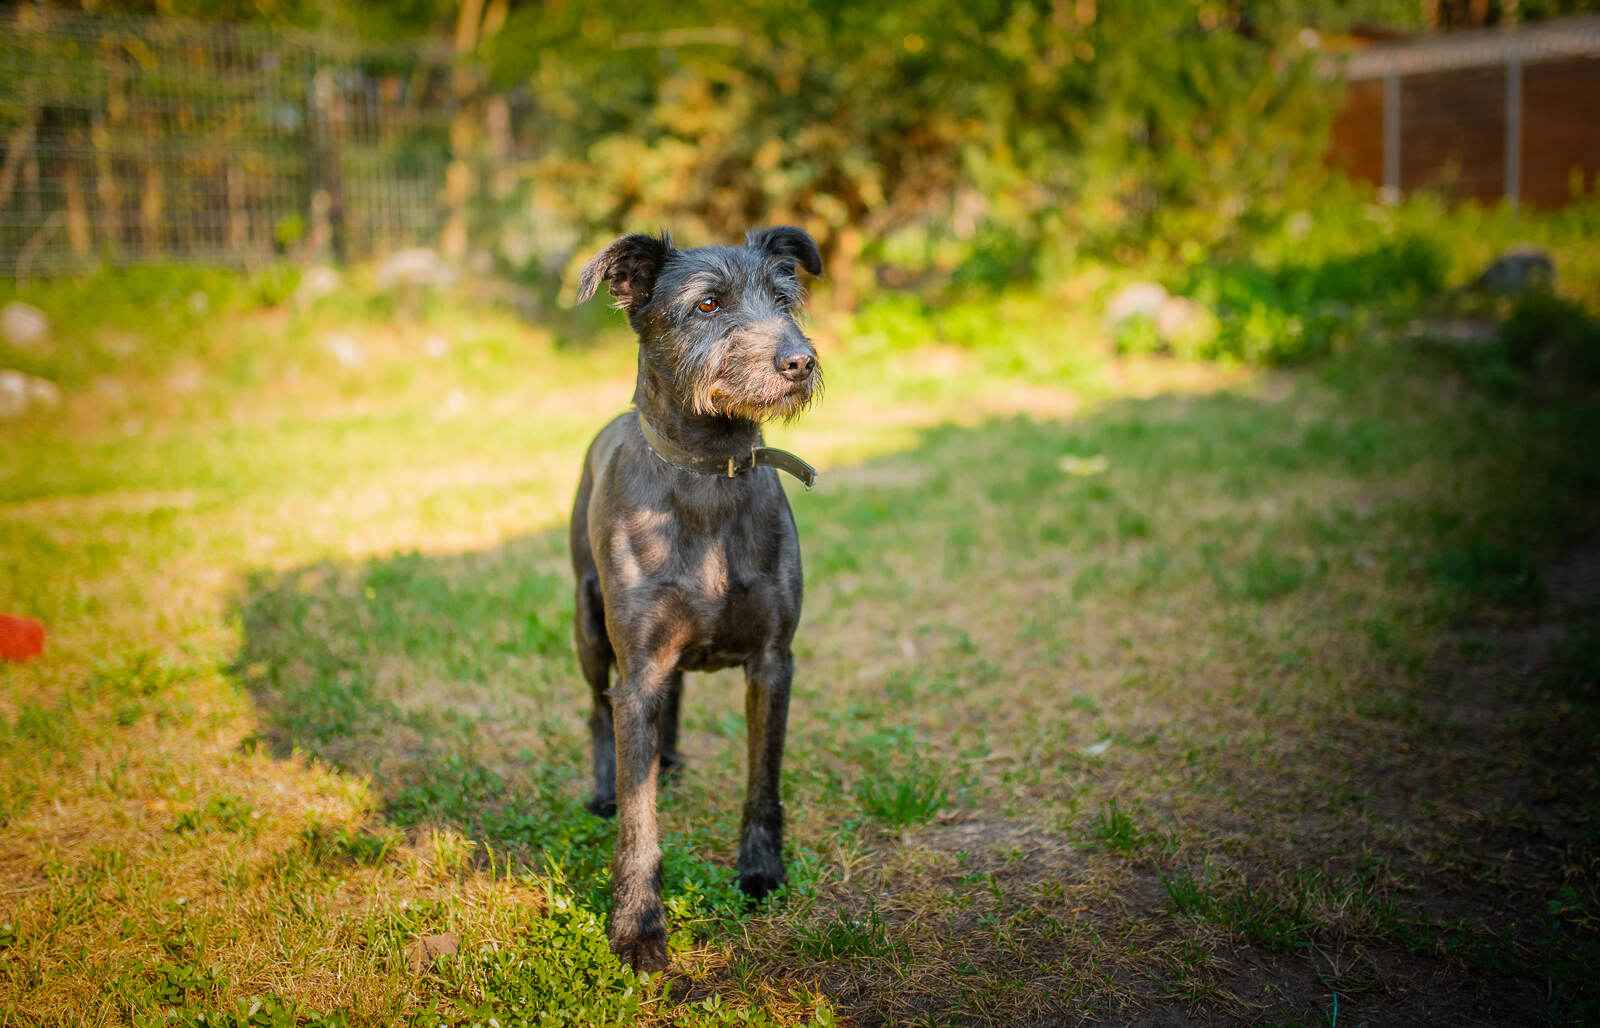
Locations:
column 628, row 267
column 788, row 241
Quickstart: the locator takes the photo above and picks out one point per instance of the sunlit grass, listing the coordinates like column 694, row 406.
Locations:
column 1113, row 672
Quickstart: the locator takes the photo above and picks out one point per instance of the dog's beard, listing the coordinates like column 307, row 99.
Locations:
column 770, row 400
column 783, row 404
column 752, row 390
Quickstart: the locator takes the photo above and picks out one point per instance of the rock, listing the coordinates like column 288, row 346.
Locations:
column 1141, row 299
column 423, row 952
column 21, row 392
column 346, row 349
column 120, row 344
column 418, row 266
column 316, row 283
column 186, row 379
column 1083, row 467
column 1182, row 321
column 454, row 404
column 24, row 325
column 1458, row 331
column 1518, row 270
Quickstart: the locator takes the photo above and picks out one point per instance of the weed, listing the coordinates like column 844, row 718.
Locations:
column 224, row 812
column 1114, row 828
column 560, row 961
column 332, row 846
column 899, row 799
column 1268, row 575
column 1488, row 572
column 843, row 937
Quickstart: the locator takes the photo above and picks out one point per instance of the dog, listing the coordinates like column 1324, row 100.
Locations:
column 684, row 547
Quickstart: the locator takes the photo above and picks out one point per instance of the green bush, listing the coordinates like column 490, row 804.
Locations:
column 1300, row 310
column 1544, row 326
column 983, row 139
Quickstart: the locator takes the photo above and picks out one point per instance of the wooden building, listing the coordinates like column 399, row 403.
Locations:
column 1486, row 114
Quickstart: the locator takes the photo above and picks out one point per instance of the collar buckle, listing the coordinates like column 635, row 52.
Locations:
column 760, row 456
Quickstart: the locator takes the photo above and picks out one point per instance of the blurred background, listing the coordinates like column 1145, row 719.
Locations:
column 1203, row 594
column 919, row 145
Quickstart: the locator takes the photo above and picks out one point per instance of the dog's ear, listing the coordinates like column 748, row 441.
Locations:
column 628, row 267
column 788, row 241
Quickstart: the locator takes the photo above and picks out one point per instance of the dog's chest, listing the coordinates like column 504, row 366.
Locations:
column 714, row 594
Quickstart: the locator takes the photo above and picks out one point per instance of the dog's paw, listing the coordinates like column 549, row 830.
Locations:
column 601, row 806
column 756, row 883
column 644, row 951
column 760, row 860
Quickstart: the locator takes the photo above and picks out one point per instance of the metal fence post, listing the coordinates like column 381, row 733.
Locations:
column 1391, row 137
column 1514, row 129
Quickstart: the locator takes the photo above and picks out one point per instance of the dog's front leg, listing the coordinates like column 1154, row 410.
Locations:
column 766, row 705
column 638, row 921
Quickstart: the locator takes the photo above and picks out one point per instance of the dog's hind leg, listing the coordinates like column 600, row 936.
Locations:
column 667, row 725
column 767, row 679
column 595, row 657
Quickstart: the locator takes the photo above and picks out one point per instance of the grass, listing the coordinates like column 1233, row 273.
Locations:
column 1128, row 687
column 843, row 937
column 899, row 800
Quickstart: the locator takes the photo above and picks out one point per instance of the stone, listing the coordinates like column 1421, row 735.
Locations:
column 317, row 282
column 454, row 404
column 428, row 949
column 1139, row 300
column 21, row 393
column 1181, row 320
column 1518, row 270
column 346, row 349
column 417, row 266
column 1468, row 332
column 24, row 325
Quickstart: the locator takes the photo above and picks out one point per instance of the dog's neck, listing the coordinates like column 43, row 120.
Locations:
column 700, row 435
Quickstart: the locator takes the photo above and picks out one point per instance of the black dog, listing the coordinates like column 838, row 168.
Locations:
column 683, row 544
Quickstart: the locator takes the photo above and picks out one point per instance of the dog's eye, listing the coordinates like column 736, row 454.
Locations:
column 709, row 305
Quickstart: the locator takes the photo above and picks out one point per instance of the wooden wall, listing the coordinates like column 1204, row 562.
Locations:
column 1453, row 131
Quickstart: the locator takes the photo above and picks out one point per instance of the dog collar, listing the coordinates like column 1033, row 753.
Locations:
column 725, row 467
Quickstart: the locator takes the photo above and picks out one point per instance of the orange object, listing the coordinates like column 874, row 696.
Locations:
column 20, row 638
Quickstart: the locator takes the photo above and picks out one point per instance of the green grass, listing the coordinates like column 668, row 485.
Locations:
column 1116, row 675
column 844, row 937
column 1115, row 828
column 900, row 799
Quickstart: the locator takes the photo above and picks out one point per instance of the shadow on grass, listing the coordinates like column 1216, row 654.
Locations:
column 449, row 679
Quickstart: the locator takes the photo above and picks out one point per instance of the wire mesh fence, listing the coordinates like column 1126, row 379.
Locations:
column 128, row 140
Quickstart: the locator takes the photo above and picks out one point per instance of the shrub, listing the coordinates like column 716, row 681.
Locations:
column 1543, row 326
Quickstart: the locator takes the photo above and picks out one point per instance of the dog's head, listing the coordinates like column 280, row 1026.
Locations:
column 719, row 320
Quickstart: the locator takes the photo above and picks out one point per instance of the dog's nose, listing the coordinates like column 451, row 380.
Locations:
column 795, row 365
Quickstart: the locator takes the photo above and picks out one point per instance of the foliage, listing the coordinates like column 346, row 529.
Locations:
column 1543, row 327
column 984, row 137
column 558, row 970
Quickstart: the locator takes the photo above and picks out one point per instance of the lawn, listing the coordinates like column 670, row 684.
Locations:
column 1129, row 688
